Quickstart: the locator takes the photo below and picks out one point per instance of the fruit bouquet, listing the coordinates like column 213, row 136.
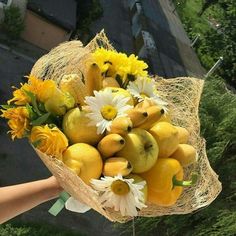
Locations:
column 118, row 141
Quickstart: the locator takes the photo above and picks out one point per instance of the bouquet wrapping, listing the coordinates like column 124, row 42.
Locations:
column 182, row 96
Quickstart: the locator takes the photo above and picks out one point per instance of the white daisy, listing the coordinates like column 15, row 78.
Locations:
column 145, row 88
column 121, row 194
column 105, row 107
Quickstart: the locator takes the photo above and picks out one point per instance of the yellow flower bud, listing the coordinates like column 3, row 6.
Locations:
column 50, row 141
column 59, row 103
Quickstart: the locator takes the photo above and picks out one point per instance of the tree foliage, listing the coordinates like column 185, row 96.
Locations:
column 13, row 23
column 217, row 27
column 22, row 229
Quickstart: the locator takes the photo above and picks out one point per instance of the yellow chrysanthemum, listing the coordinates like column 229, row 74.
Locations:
column 50, row 141
column 43, row 89
column 18, row 121
column 136, row 67
column 114, row 63
column 109, row 61
column 19, row 96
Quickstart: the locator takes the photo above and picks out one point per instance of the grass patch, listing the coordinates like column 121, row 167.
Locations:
column 33, row 229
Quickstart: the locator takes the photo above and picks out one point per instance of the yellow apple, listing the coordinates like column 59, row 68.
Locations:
column 138, row 179
column 166, row 136
column 76, row 127
column 121, row 91
column 84, row 160
column 140, row 149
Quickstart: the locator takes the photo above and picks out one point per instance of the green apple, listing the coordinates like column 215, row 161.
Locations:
column 76, row 127
column 121, row 91
column 140, row 149
column 138, row 179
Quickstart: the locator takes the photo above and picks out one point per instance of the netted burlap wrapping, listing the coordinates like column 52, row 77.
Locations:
column 183, row 95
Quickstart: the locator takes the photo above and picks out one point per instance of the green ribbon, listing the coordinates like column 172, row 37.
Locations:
column 59, row 204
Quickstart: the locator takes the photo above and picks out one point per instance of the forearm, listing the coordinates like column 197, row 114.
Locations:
column 17, row 199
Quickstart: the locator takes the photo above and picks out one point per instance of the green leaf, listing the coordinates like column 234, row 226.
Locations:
column 41, row 107
column 36, row 143
column 7, row 106
column 42, row 119
column 119, row 80
column 33, row 101
column 31, row 112
column 131, row 77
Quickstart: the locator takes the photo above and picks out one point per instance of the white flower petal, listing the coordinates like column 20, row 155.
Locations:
column 126, row 204
column 103, row 98
column 76, row 206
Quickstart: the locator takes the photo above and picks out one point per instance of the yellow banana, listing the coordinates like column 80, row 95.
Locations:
column 116, row 165
column 121, row 125
column 154, row 113
column 145, row 104
column 73, row 84
column 137, row 116
column 110, row 144
column 93, row 79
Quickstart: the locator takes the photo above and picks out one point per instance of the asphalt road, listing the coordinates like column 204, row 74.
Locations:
column 19, row 163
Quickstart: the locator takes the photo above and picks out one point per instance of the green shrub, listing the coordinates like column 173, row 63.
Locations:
column 13, row 23
column 23, row 229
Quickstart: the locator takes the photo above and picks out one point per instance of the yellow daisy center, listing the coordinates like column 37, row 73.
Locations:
column 120, row 187
column 108, row 112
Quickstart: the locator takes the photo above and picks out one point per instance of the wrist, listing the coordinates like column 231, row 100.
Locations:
column 52, row 187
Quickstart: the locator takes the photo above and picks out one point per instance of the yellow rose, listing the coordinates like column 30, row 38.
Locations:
column 43, row 89
column 18, row 121
column 19, row 96
column 50, row 141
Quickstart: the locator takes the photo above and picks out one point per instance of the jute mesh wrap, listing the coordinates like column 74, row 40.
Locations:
column 183, row 95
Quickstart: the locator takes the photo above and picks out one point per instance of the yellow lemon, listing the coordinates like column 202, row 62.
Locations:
column 84, row 160
column 166, row 136
column 183, row 134
column 76, row 127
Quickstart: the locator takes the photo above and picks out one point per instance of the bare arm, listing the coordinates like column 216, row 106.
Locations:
column 17, row 199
